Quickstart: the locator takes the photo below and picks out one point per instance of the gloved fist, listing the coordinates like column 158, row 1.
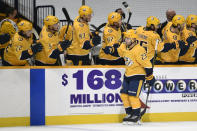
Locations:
column 65, row 44
column 96, row 40
column 108, row 50
column 150, row 82
column 4, row 38
column 37, row 48
column 181, row 44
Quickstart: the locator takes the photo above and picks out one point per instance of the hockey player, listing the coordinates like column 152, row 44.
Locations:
column 111, row 37
column 172, row 35
column 138, row 68
column 147, row 36
column 53, row 47
column 7, row 30
column 189, row 36
column 20, row 47
column 83, row 39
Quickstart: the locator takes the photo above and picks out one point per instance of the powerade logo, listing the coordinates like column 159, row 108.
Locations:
column 174, row 86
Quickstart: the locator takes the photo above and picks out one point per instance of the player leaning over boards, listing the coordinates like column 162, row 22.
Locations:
column 83, row 39
column 111, row 37
column 147, row 36
column 138, row 67
column 189, row 36
column 172, row 35
column 52, row 46
column 20, row 47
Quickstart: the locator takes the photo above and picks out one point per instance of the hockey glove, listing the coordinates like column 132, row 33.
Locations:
column 108, row 50
column 96, row 40
column 150, row 80
column 65, row 44
column 4, row 38
column 181, row 44
column 36, row 48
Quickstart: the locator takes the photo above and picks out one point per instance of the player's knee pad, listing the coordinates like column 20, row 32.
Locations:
column 134, row 102
column 125, row 100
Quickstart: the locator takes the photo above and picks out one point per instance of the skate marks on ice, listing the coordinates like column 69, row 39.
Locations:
column 146, row 126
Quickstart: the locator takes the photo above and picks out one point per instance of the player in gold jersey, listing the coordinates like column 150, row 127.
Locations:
column 172, row 36
column 189, row 36
column 53, row 46
column 83, row 39
column 20, row 47
column 111, row 37
column 138, row 68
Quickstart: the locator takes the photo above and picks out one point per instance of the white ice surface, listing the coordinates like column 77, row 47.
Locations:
column 148, row 126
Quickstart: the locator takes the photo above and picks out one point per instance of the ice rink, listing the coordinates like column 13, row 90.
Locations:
column 148, row 126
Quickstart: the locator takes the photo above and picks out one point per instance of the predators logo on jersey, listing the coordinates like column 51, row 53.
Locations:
column 80, row 35
column 110, row 37
column 135, row 60
column 128, row 61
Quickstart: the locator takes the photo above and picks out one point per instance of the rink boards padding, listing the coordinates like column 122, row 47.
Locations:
column 90, row 94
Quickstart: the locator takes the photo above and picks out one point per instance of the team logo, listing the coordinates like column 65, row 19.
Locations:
column 128, row 61
column 81, row 25
column 175, row 37
column 144, row 56
column 110, row 30
column 20, row 39
column 84, row 10
column 112, row 16
column 178, row 18
column 50, row 35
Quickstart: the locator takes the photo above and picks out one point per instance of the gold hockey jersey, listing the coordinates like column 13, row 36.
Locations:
column 13, row 52
column 49, row 42
column 147, row 39
column 81, row 33
column 110, row 37
column 7, row 26
column 135, row 60
column 173, row 54
column 186, row 35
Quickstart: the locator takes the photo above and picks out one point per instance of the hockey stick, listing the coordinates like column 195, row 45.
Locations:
column 61, row 56
column 97, row 29
column 149, row 88
column 83, row 2
column 125, row 4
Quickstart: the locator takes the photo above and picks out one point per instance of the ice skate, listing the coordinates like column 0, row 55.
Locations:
column 134, row 120
column 126, row 119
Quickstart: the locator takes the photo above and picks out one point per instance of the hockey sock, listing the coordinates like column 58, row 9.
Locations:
column 134, row 102
column 126, row 103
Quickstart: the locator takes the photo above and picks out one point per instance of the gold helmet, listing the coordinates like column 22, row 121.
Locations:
column 152, row 20
column 178, row 19
column 25, row 25
column 130, row 34
column 191, row 19
column 50, row 20
column 8, row 26
column 114, row 17
column 85, row 10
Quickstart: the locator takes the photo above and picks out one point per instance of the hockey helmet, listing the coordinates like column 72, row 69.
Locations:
column 85, row 10
column 24, row 25
column 8, row 26
column 114, row 17
column 191, row 19
column 178, row 20
column 50, row 20
column 152, row 20
column 130, row 34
